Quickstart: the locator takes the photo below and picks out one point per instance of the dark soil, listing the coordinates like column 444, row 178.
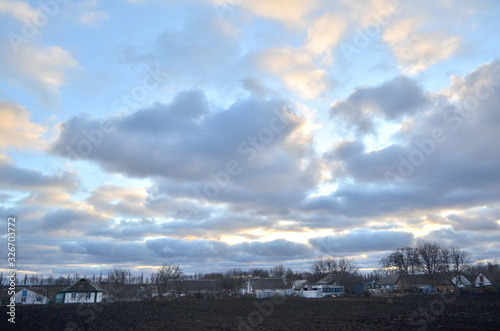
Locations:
column 415, row 312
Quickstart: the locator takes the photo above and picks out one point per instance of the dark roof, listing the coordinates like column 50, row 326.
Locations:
column 194, row 285
column 425, row 280
column 328, row 279
column 267, row 284
column 388, row 280
column 83, row 285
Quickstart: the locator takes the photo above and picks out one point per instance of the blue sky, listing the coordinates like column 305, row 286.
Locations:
column 246, row 133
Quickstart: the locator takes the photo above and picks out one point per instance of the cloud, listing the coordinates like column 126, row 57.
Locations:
column 290, row 14
column 417, row 50
column 296, row 70
column 22, row 179
column 361, row 241
column 231, row 154
column 208, row 249
column 325, row 34
column 17, row 129
column 21, row 11
column 93, row 18
column 445, row 159
column 393, row 100
column 120, row 201
column 42, row 69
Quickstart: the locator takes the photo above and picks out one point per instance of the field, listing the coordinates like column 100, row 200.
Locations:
column 416, row 312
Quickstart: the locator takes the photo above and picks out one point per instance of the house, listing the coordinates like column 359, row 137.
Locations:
column 417, row 283
column 299, row 285
column 83, row 291
column 461, row 281
column 32, row 296
column 265, row 287
column 327, row 280
column 389, row 282
column 361, row 288
column 484, row 279
column 147, row 292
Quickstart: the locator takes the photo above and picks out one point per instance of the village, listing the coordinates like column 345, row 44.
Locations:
column 86, row 291
column 407, row 291
column 405, row 271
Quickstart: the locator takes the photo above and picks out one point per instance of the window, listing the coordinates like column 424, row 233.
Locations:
column 481, row 279
column 73, row 295
column 38, row 299
column 23, row 299
column 88, row 295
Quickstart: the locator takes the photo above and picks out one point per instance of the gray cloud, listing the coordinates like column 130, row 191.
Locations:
column 243, row 154
column 447, row 158
column 22, row 179
column 392, row 100
column 362, row 241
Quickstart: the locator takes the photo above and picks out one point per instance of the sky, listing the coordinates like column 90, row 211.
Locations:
column 220, row 134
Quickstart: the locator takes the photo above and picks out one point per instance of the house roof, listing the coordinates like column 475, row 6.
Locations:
column 267, row 284
column 297, row 284
column 38, row 290
column 388, row 280
column 492, row 277
column 425, row 280
column 83, row 285
column 328, row 279
column 194, row 285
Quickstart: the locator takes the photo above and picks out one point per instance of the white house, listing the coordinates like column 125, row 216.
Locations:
column 481, row 280
column 83, row 291
column 32, row 296
column 461, row 281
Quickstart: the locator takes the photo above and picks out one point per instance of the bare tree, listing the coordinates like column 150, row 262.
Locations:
column 278, row 271
column 404, row 260
column 346, row 265
column 117, row 279
column 432, row 259
column 259, row 272
column 166, row 273
column 234, row 278
column 323, row 266
column 460, row 262
column 344, row 269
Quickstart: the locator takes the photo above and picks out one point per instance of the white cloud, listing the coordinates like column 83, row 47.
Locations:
column 93, row 18
column 416, row 50
column 40, row 68
column 21, row 11
column 290, row 12
column 17, row 129
column 296, row 70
